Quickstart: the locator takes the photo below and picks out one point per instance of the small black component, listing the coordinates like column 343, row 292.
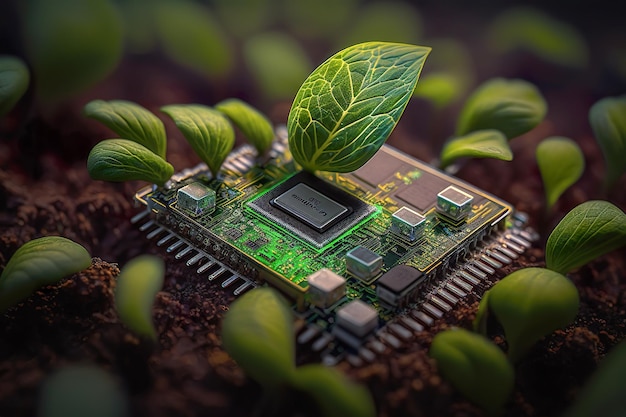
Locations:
column 234, row 234
column 398, row 284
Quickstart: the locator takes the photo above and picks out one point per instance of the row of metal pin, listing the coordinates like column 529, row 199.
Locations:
column 181, row 248
column 500, row 252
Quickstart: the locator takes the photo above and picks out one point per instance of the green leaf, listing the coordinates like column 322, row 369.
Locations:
column 336, row 395
column 588, row 231
column 208, row 131
column 477, row 144
column 533, row 30
column 603, row 394
column 130, row 121
column 550, row 302
column 192, row 37
column 125, row 160
column 278, row 64
column 82, row 390
column 37, row 263
column 257, row 332
column 348, row 106
column 608, row 121
column 389, row 21
column 512, row 106
column 14, row 80
column 71, row 44
column 561, row 163
column 475, row 366
column 137, row 286
column 440, row 88
column 254, row 125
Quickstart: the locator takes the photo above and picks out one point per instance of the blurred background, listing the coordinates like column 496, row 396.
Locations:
column 158, row 52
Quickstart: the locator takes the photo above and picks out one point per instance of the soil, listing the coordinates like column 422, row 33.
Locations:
column 45, row 190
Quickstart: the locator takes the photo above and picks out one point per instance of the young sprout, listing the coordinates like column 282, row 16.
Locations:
column 489, row 143
column 71, row 44
column 125, row 160
column 561, row 163
column 137, row 286
column 513, row 107
column 608, row 121
column 254, row 125
column 14, row 80
column 130, row 121
column 82, row 390
column 348, row 106
column 208, row 131
column 475, row 366
column 529, row 303
column 588, row 231
column 37, row 263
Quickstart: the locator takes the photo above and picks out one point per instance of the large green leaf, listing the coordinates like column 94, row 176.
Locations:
column 336, row 396
column 529, row 303
column 348, row 106
column 14, row 80
column 193, row 37
column 588, row 231
column 125, row 160
column 608, row 121
column 477, row 144
column 254, row 125
column 208, row 131
column 278, row 64
column 534, row 31
column 257, row 332
column 71, row 44
column 130, row 121
column 37, row 263
column 475, row 366
column 137, row 285
column 512, row 106
column 561, row 163
column 82, row 390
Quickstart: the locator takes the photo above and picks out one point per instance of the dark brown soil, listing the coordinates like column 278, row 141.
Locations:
column 45, row 190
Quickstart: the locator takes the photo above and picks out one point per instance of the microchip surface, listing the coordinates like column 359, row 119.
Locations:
column 310, row 206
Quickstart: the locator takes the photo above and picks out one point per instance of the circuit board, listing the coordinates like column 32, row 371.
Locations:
column 364, row 256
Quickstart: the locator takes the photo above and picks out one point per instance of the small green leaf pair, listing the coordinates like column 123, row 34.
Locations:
column 495, row 113
column 257, row 332
column 141, row 154
column 37, row 263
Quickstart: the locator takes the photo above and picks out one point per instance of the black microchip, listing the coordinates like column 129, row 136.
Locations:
column 400, row 278
column 311, row 208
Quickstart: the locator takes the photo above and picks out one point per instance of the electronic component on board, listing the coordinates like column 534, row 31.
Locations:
column 363, row 263
column 196, row 198
column 407, row 223
column 454, row 203
column 398, row 284
column 326, row 287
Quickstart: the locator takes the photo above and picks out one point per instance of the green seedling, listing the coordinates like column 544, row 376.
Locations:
column 71, row 44
column 208, row 131
column 257, row 332
column 513, row 107
column 476, row 367
column 532, row 30
column 588, row 231
column 608, row 121
column 603, row 394
column 82, row 390
column 130, row 121
column 529, row 303
column 488, row 143
column 37, row 263
column 183, row 26
column 14, row 80
column 137, row 285
column 278, row 64
column 254, row 125
column 348, row 106
column 124, row 160
column 561, row 163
